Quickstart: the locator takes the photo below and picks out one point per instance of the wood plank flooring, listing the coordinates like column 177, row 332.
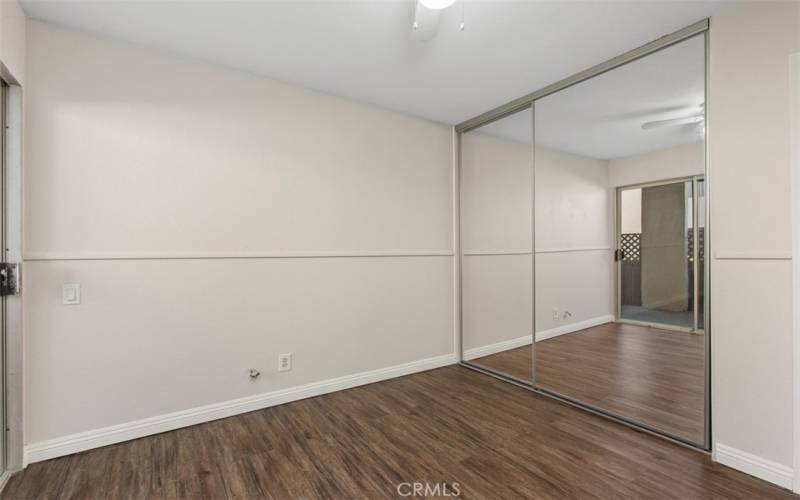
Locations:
column 649, row 375
column 450, row 425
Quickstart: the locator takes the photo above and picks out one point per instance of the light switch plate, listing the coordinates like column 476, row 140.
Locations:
column 284, row 362
column 71, row 294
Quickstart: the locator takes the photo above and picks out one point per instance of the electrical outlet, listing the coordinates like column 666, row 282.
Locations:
column 555, row 314
column 284, row 362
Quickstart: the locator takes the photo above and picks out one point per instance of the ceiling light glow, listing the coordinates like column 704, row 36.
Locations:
column 437, row 4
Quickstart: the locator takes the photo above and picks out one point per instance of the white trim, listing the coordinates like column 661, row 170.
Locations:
column 488, row 350
column 573, row 327
column 479, row 253
column 474, row 253
column 47, row 256
column 573, row 249
column 755, row 466
column 82, row 441
column 794, row 158
column 752, row 255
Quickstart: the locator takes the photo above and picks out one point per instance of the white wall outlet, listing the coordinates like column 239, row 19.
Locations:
column 555, row 314
column 71, row 294
column 284, row 362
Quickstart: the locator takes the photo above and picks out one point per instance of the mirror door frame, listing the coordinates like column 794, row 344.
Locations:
column 700, row 28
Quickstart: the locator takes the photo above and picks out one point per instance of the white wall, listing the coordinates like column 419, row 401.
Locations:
column 663, row 164
column 573, row 215
column 215, row 220
column 496, row 240
column 751, row 305
column 573, row 239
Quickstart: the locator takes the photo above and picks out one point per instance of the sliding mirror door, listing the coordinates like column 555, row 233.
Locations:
column 619, row 218
column 496, row 170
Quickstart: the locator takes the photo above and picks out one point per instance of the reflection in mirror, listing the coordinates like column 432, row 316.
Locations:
column 496, row 227
column 619, row 166
column 656, row 265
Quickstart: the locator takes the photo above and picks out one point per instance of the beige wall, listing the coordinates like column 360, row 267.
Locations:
column 186, row 199
column 496, row 241
column 573, row 231
column 751, row 288
column 12, row 39
column 573, row 240
column 671, row 163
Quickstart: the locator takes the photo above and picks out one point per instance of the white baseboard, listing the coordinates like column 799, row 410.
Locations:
column 761, row 468
column 487, row 350
column 573, row 327
column 82, row 441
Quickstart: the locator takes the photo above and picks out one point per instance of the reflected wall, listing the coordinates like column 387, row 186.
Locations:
column 496, row 226
column 638, row 131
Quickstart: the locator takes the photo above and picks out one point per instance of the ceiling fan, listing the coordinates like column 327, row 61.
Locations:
column 697, row 117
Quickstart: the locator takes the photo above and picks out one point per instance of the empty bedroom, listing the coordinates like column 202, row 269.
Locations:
column 399, row 249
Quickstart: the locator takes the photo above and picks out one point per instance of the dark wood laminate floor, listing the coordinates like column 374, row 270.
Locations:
column 650, row 375
column 449, row 425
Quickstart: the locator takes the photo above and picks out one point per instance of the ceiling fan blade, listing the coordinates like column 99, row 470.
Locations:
column 672, row 122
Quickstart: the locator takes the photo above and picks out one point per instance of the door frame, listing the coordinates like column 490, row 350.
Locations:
column 617, row 238
column 12, row 252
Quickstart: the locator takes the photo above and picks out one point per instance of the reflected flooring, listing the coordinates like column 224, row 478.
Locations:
column 649, row 375
column 449, row 425
column 683, row 319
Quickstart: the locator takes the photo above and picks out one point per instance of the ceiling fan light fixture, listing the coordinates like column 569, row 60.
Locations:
column 437, row 4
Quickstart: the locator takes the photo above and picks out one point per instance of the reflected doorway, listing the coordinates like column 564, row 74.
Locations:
column 660, row 254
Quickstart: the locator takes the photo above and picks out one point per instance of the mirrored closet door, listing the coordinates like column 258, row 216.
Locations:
column 496, row 173
column 619, row 231
column 583, row 235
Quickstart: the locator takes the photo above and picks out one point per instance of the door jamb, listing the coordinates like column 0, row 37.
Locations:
column 12, row 197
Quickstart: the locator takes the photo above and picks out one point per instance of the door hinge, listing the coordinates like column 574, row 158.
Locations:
column 619, row 255
column 9, row 279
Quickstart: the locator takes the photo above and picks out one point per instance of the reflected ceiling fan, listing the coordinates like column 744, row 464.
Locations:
column 696, row 117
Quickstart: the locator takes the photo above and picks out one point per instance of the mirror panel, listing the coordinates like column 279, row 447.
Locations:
column 496, row 170
column 619, row 205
